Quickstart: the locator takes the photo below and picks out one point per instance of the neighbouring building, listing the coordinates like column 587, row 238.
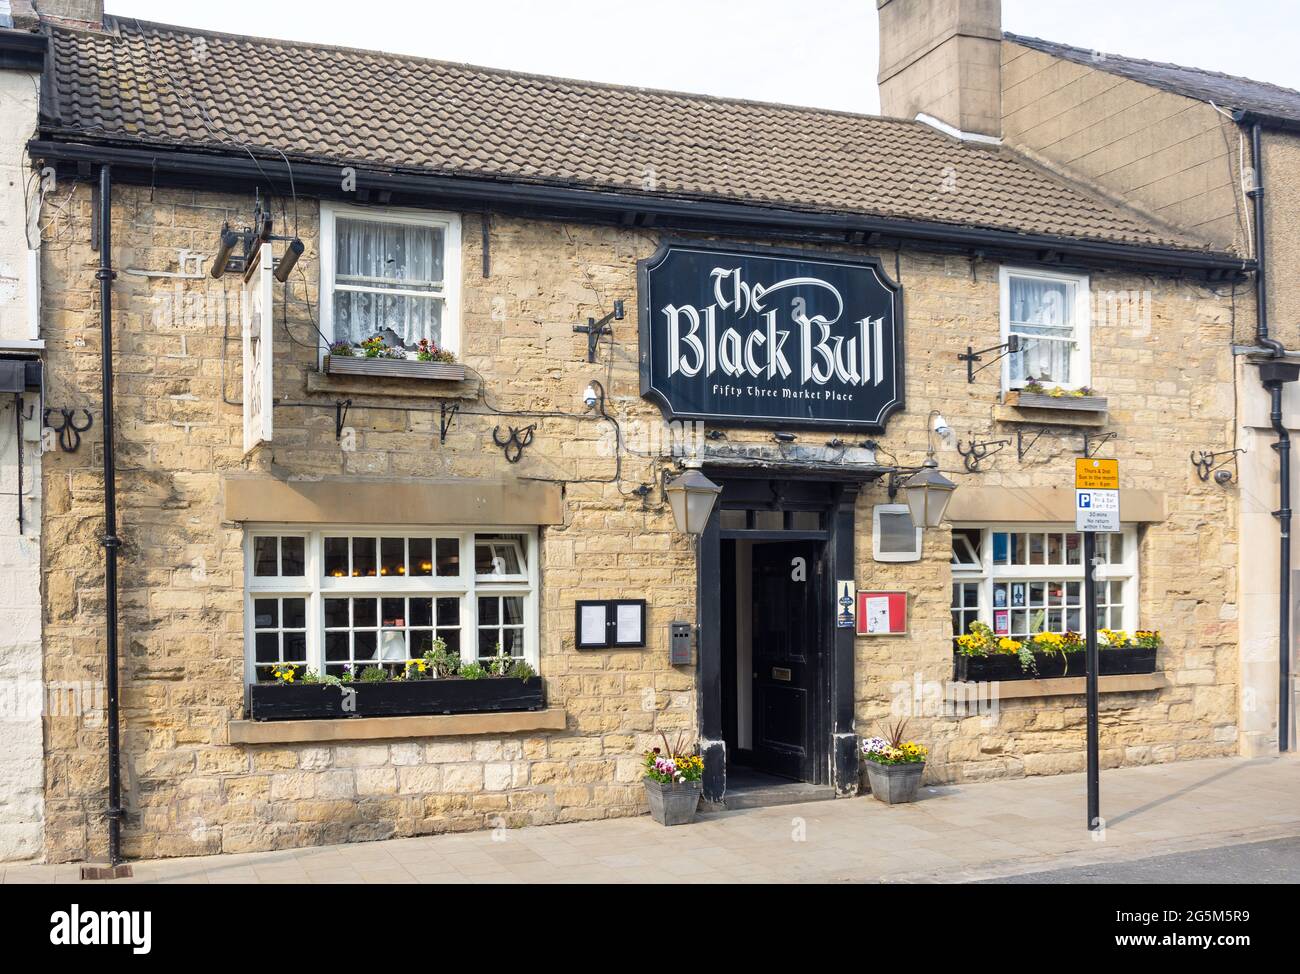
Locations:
column 1218, row 157
column 621, row 293
column 22, row 785
column 1210, row 154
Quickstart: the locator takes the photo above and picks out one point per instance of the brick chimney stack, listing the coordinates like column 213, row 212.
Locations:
column 942, row 58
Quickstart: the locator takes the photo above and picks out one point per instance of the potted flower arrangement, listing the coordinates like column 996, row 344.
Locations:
column 1037, row 394
column 982, row 656
column 435, row 683
column 428, row 351
column 385, row 355
column 894, row 765
column 1120, row 653
column 673, row 783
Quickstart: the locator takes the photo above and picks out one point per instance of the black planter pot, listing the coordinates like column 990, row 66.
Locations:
column 983, row 669
column 314, row 701
column 1119, row 661
column 1004, row 666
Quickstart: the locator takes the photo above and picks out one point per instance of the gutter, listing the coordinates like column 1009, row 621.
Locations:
column 211, row 171
column 22, row 50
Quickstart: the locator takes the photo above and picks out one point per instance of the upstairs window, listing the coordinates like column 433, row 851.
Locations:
column 1048, row 313
column 390, row 273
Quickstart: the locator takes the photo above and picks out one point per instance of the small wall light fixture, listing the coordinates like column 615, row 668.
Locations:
column 928, row 493
column 691, row 497
column 927, row 490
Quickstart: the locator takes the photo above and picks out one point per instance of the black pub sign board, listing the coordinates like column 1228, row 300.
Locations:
column 755, row 336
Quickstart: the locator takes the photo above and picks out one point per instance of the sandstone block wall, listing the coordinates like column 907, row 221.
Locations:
column 179, row 428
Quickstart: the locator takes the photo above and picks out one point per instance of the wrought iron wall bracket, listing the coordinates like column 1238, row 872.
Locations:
column 1023, row 449
column 69, row 433
column 593, row 329
column 341, row 407
column 513, row 445
column 1092, row 442
column 979, row 451
column 971, row 356
column 1207, row 462
column 446, row 414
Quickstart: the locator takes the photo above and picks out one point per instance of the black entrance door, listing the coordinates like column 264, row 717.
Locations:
column 786, row 597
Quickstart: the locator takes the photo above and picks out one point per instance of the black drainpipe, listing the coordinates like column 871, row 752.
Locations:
column 110, row 541
column 1274, row 374
column 1256, row 194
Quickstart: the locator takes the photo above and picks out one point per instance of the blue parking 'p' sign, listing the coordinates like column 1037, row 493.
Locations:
column 1085, row 500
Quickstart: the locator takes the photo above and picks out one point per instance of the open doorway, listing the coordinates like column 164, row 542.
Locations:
column 773, row 686
column 775, row 672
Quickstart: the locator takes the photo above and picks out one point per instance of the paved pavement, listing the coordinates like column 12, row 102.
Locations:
column 953, row 834
column 1252, row 863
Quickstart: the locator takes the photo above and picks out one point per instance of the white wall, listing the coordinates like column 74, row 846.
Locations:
column 18, row 282
column 21, row 764
column 1258, row 556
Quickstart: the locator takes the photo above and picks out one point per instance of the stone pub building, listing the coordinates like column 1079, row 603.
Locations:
column 621, row 293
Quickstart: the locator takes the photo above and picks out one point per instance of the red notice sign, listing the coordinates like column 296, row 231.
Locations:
column 882, row 613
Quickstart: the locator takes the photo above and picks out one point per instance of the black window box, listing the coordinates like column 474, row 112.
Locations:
column 401, row 698
column 1006, row 666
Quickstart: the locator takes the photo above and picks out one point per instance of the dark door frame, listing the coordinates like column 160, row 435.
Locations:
column 837, row 749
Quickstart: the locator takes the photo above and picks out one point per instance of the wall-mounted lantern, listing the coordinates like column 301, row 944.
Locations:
column 691, row 497
column 928, row 493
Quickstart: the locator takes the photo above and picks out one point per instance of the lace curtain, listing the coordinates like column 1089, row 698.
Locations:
column 388, row 275
column 1042, row 313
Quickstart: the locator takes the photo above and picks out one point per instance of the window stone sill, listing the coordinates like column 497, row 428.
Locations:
column 1004, row 413
column 392, row 728
column 408, row 388
column 1066, row 686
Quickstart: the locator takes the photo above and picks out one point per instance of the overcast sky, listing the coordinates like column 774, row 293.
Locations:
column 814, row 52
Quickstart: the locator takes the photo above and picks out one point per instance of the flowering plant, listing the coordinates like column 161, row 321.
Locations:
column 1114, row 638
column 373, row 346
column 428, row 351
column 417, row 669
column 1054, row 644
column 891, row 748
column 342, row 349
column 978, row 642
column 1147, row 639
column 285, row 673
column 670, row 766
column 1036, row 387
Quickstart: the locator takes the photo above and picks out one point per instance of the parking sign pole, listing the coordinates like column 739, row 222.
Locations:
column 1096, row 508
column 1091, row 664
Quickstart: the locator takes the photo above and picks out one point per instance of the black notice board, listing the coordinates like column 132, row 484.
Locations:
column 609, row 623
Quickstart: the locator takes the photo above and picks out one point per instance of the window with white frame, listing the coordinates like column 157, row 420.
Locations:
column 335, row 600
column 390, row 271
column 1049, row 314
column 1023, row 579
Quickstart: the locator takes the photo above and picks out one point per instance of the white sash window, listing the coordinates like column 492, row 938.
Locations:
column 339, row 599
column 1026, row 579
